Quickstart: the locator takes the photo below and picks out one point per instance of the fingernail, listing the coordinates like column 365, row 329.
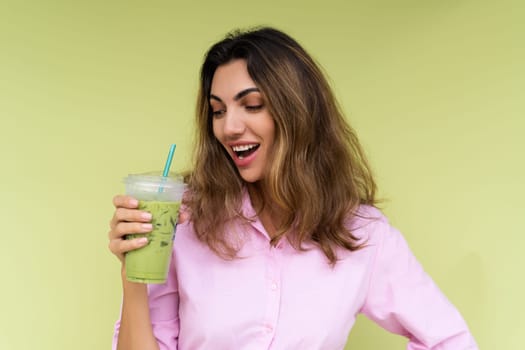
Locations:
column 134, row 202
column 146, row 216
column 147, row 227
column 142, row 241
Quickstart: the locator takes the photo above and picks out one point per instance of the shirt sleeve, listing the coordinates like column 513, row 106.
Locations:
column 163, row 306
column 404, row 300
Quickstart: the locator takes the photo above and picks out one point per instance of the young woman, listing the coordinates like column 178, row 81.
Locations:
column 280, row 245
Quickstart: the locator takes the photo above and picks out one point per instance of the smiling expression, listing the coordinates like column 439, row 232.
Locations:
column 241, row 121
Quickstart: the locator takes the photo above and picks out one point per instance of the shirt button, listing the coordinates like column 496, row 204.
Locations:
column 274, row 286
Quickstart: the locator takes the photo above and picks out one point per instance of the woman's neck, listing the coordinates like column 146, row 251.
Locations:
column 266, row 209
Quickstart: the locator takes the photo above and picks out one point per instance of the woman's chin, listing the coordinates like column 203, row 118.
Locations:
column 250, row 176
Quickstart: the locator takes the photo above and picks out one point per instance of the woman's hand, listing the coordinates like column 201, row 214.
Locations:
column 126, row 220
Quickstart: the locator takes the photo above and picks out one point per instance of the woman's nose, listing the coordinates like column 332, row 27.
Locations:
column 233, row 124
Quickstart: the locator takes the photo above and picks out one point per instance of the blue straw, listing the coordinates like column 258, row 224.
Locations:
column 167, row 166
column 168, row 161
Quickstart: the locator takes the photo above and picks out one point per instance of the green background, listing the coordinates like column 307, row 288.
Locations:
column 91, row 91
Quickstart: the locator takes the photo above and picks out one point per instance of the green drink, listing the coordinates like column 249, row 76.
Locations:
column 161, row 196
column 150, row 263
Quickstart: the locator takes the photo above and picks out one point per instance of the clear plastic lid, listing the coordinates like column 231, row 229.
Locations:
column 153, row 186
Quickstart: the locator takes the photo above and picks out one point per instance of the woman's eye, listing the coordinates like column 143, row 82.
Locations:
column 254, row 108
column 217, row 113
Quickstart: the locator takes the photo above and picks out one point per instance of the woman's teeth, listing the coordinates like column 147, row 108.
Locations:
column 243, row 147
column 243, row 150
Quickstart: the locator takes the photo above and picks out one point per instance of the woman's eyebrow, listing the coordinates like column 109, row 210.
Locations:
column 238, row 96
column 244, row 93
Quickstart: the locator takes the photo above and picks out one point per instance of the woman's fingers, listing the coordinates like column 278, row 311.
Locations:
column 125, row 228
column 127, row 219
column 183, row 216
column 129, row 215
column 121, row 246
column 124, row 201
column 126, row 210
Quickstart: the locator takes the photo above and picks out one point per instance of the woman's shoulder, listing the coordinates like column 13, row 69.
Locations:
column 365, row 215
column 368, row 223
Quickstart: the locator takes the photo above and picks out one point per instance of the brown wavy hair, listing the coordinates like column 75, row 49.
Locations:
column 319, row 174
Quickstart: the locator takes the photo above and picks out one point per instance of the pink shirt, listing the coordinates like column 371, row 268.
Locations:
column 279, row 298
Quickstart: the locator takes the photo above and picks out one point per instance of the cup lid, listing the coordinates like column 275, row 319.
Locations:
column 155, row 179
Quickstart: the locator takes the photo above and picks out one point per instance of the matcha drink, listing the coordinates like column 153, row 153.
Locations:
column 150, row 263
column 161, row 196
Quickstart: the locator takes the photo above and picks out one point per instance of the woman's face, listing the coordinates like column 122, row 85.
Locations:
column 241, row 121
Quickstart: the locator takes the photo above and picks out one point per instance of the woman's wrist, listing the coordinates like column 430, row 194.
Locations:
column 123, row 271
column 133, row 288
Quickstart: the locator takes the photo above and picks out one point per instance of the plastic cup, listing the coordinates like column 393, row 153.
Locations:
column 161, row 196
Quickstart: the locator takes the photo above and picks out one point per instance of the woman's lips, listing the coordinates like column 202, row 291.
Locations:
column 243, row 155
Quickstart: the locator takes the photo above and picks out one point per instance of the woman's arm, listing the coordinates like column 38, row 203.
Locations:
column 403, row 299
column 149, row 316
column 135, row 331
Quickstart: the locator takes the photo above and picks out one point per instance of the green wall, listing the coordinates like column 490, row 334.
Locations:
column 91, row 91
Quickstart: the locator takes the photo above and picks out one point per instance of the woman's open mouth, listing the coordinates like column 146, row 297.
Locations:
column 244, row 151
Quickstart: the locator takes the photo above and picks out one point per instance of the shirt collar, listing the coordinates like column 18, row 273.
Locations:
column 249, row 213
